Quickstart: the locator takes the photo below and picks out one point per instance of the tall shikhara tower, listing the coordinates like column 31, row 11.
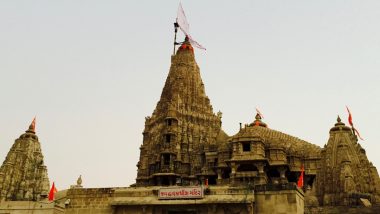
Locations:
column 182, row 128
column 23, row 175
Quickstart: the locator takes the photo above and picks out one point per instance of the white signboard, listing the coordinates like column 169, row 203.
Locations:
column 180, row 192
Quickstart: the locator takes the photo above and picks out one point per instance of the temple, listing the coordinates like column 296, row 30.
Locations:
column 189, row 165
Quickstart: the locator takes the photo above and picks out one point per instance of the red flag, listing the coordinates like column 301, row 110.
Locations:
column 300, row 179
column 184, row 26
column 349, row 117
column 52, row 192
column 33, row 124
column 352, row 124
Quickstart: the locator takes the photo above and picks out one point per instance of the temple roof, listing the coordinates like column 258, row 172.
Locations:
column 276, row 139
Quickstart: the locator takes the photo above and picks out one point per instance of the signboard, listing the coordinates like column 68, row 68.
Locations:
column 180, row 192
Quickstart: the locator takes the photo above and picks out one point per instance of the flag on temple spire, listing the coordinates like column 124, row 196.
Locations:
column 352, row 124
column 349, row 117
column 184, row 26
column 52, row 192
column 300, row 179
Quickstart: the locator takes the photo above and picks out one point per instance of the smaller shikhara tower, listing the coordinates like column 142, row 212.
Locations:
column 345, row 173
column 23, row 175
column 182, row 129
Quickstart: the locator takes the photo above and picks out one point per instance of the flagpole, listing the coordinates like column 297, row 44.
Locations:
column 175, row 36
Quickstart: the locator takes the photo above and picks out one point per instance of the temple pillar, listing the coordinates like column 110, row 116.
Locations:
column 219, row 180
column 262, row 178
column 282, row 171
column 233, row 172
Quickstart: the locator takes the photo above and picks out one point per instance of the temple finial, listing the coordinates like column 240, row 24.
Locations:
column 258, row 116
column 79, row 181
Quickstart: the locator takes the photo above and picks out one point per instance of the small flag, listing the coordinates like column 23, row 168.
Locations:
column 184, row 26
column 33, row 124
column 300, row 179
column 352, row 124
column 349, row 117
column 52, row 192
column 258, row 112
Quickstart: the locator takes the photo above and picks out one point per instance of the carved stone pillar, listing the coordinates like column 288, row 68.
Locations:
column 282, row 171
column 233, row 172
column 262, row 178
column 219, row 180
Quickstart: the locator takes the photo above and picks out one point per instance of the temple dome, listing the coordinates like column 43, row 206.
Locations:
column 275, row 139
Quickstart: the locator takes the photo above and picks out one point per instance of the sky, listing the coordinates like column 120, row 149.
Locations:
column 91, row 71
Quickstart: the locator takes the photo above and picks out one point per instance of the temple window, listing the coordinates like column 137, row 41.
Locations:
column 166, row 159
column 168, row 138
column 246, row 146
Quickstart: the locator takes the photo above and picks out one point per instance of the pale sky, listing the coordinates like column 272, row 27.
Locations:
column 92, row 70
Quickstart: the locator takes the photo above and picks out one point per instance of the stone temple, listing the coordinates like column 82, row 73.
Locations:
column 189, row 165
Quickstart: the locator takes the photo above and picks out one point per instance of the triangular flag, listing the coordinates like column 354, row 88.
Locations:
column 52, row 192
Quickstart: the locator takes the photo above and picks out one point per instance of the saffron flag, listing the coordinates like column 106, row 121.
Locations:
column 33, row 124
column 300, row 179
column 52, row 192
column 349, row 117
column 352, row 124
column 184, row 26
